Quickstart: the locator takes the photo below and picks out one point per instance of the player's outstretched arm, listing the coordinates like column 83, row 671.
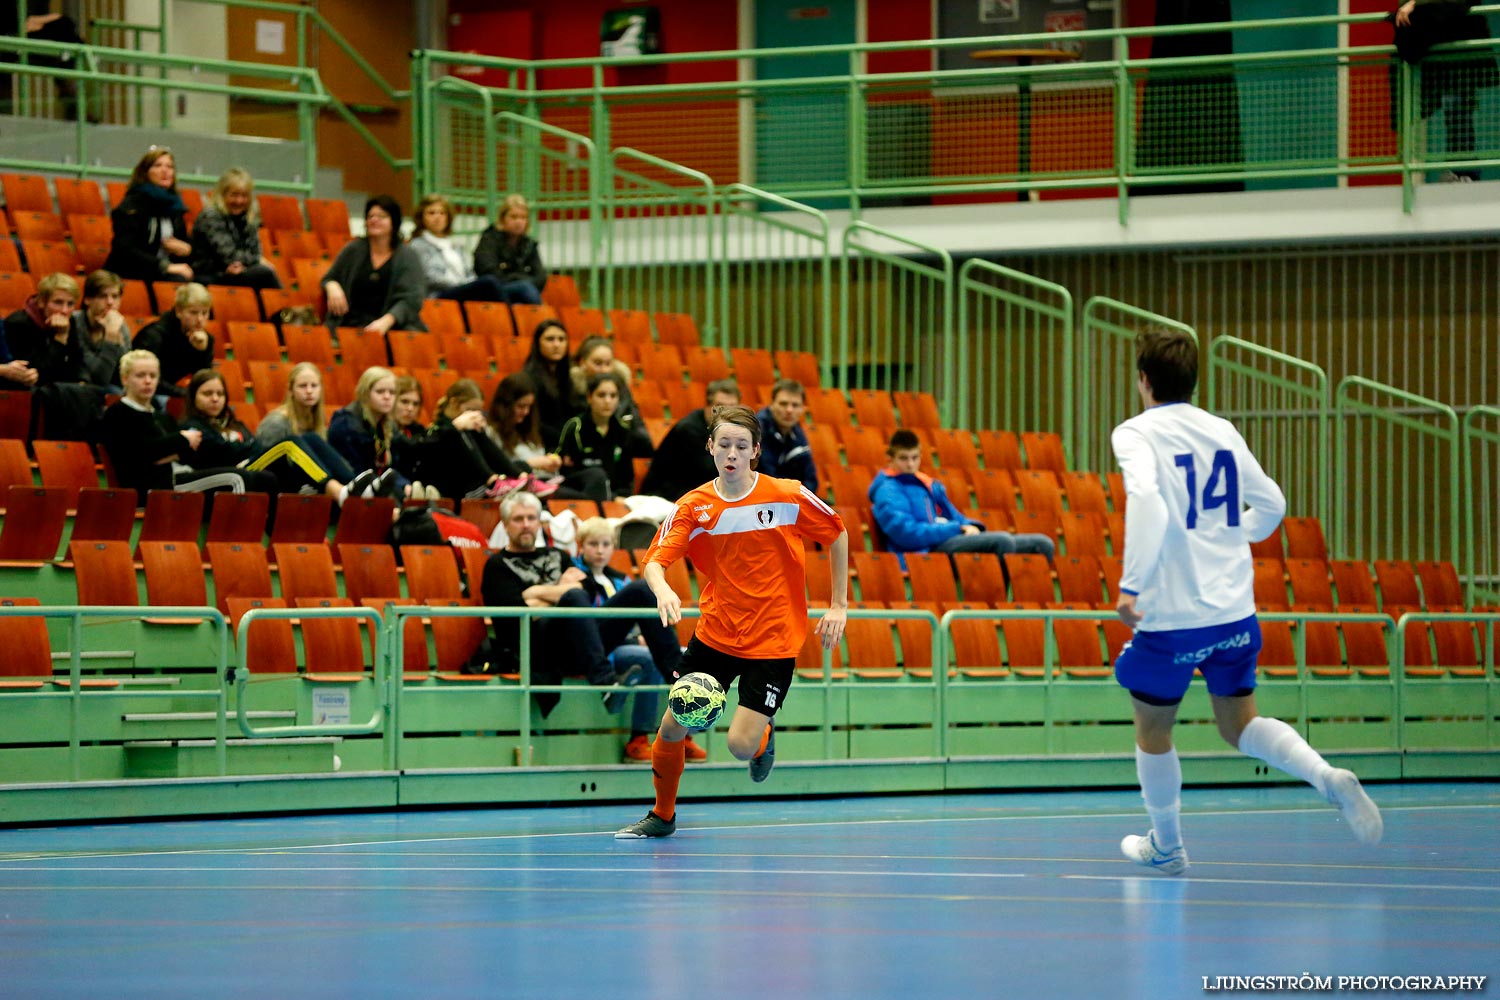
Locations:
column 668, row 604
column 831, row 625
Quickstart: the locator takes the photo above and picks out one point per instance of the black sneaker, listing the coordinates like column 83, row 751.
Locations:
column 385, row 484
column 614, row 701
column 360, row 485
column 652, row 826
column 760, row 767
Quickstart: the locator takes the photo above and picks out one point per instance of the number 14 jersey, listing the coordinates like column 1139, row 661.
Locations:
column 1196, row 499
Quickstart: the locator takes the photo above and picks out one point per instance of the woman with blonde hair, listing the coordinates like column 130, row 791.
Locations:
column 363, row 431
column 226, row 236
column 447, row 268
column 299, row 419
column 508, row 253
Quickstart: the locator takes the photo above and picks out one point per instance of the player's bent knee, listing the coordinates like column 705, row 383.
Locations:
column 744, row 749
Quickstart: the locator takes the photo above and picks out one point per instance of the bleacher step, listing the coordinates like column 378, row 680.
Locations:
column 196, row 758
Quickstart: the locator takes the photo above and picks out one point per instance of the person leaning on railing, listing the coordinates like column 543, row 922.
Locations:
column 150, row 227
column 376, row 282
column 226, row 236
column 1448, row 83
column 510, row 255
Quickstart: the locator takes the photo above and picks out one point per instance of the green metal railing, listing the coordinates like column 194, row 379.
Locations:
column 86, row 74
column 1276, row 117
column 776, row 275
column 1481, row 500
column 1396, row 475
column 77, row 693
column 896, row 316
column 1107, row 391
column 1280, row 405
column 1014, row 348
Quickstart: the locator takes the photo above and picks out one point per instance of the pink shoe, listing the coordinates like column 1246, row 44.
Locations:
column 540, row 487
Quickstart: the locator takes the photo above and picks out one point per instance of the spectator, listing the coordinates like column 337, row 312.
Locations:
column 1448, row 83
column 34, row 21
column 784, row 450
column 180, row 339
column 41, row 332
column 596, row 439
column 300, row 417
column 682, row 461
column 362, row 433
column 226, row 237
column 601, row 581
column 150, row 231
column 460, row 460
column 914, row 513
column 102, row 332
column 522, row 575
column 448, row 273
column 227, row 441
column 410, row 436
column 147, row 448
column 510, row 256
column 375, row 282
column 514, row 426
column 547, row 364
column 596, row 356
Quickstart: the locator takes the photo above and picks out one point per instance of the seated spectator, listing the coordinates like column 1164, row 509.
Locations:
column 410, row 435
column 41, row 332
column 376, row 282
column 601, row 582
column 506, row 253
column 300, row 418
column 180, row 339
column 362, row 433
column 784, row 450
column 514, row 425
column 102, row 332
column 149, row 451
column 150, row 232
column 522, row 575
column 460, row 460
column 226, row 237
column 914, row 513
column 598, row 440
column 547, row 364
column 596, row 355
column 446, row 267
column 682, row 461
column 227, row 441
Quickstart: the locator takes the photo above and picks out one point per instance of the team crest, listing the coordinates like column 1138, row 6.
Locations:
column 765, row 516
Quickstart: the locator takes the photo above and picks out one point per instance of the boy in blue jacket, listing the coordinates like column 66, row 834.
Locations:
column 915, row 514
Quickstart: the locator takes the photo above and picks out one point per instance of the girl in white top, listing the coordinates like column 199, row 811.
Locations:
column 450, row 275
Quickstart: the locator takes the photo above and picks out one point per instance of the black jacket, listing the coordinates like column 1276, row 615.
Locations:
column 136, row 249
column 177, row 355
column 496, row 255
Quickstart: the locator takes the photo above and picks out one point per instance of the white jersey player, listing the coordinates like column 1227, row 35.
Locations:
column 1197, row 498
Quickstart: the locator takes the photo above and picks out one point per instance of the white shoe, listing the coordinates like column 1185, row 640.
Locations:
column 1343, row 789
column 1144, row 852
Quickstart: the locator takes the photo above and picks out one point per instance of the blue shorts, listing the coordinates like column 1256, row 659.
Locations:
column 1160, row 665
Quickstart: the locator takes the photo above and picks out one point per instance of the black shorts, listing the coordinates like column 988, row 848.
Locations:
column 763, row 683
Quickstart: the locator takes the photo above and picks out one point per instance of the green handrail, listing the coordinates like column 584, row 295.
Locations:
column 1106, row 365
column 242, row 673
column 76, row 693
column 1481, row 500
column 1408, row 470
column 1299, row 461
column 906, row 339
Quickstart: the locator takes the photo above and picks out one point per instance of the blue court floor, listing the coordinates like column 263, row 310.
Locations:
column 1004, row 895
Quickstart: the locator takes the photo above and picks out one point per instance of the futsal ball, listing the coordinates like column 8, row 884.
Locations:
column 696, row 701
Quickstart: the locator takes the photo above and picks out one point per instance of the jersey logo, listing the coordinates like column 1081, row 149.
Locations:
column 765, row 517
column 704, row 518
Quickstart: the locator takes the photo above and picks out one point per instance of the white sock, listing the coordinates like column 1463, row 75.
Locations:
column 1279, row 745
column 343, row 494
column 1160, row 775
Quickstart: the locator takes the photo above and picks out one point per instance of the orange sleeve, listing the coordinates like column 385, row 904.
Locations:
column 671, row 539
column 817, row 520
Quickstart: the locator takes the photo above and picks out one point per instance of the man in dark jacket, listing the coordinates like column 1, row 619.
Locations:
column 784, row 449
column 180, row 339
column 682, row 462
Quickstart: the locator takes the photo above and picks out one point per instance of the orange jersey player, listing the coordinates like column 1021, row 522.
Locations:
column 744, row 533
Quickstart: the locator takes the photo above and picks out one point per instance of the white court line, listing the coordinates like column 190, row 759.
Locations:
column 759, row 827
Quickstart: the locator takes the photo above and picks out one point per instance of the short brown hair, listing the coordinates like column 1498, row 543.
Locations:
column 789, row 385
column 101, row 281
column 432, row 199
column 728, row 386
column 1169, row 360
column 904, row 439
column 739, row 416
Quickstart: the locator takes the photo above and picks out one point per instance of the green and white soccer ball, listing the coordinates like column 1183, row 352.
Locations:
column 696, row 701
